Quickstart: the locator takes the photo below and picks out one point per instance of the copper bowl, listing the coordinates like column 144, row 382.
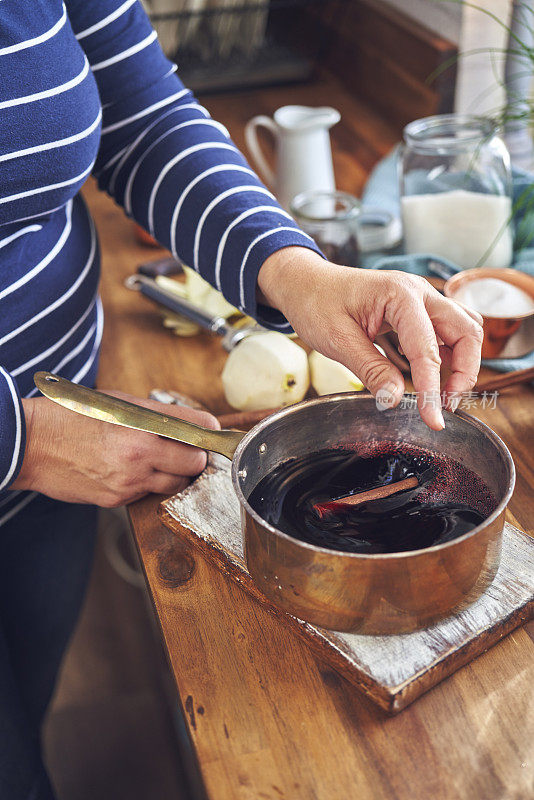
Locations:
column 504, row 337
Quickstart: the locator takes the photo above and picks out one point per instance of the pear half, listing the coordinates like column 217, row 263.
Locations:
column 266, row 370
column 329, row 376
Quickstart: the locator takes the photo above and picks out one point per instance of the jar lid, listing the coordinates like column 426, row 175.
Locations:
column 378, row 229
column 318, row 205
column 449, row 132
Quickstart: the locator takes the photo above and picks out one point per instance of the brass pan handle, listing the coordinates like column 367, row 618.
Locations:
column 106, row 408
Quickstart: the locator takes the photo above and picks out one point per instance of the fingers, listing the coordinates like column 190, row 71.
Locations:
column 154, row 481
column 202, row 418
column 445, row 353
column 469, row 311
column 176, row 459
column 465, row 365
column 165, row 455
column 179, row 459
column 133, row 499
column 157, row 483
column 462, row 333
column 420, row 346
column 354, row 349
column 161, row 483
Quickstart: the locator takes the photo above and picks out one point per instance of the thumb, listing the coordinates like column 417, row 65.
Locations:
column 379, row 375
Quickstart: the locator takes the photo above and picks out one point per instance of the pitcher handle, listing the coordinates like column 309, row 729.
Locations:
column 253, row 145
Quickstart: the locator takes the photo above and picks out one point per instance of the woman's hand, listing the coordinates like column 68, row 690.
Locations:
column 82, row 460
column 340, row 310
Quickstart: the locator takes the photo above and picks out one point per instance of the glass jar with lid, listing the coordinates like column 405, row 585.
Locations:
column 455, row 182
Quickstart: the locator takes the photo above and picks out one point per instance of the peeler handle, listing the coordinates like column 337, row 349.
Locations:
column 107, row 408
column 149, row 288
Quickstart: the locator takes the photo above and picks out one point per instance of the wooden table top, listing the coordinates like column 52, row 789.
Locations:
column 266, row 719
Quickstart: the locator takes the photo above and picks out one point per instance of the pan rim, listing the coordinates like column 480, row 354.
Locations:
column 359, row 396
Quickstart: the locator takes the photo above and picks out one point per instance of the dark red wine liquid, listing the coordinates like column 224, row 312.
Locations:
column 450, row 500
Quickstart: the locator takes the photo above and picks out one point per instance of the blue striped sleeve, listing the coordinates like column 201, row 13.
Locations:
column 174, row 169
column 12, row 430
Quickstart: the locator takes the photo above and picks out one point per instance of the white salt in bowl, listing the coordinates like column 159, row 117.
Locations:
column 506, row 335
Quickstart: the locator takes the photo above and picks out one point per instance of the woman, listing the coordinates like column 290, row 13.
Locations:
column 84, row 87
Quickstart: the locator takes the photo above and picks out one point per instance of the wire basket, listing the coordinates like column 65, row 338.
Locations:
column 227, row 44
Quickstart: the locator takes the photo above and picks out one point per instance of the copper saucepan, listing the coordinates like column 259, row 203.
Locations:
column 379, row 593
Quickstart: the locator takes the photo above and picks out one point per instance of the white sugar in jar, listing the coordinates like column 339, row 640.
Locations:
column 456, row 191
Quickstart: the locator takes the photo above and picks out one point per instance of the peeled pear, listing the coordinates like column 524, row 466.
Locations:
column 202, row 294
column 329, row 376
column 265, row 370
column 179, row 325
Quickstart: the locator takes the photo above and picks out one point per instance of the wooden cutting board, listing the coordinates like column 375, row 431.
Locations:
column 392, row 670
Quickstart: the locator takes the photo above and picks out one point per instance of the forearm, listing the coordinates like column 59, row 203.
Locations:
column 187, row 184
column 284, row 270
column 81, row 460
column 173, row 168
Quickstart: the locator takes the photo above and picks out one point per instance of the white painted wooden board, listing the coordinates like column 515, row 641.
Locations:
column 392, row 670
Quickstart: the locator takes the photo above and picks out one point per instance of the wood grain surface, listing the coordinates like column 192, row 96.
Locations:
column 267, row 720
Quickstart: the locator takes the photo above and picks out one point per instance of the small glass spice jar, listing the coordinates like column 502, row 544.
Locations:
column 331, row 219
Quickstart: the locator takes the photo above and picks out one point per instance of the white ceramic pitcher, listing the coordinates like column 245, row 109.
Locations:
column 303, row 152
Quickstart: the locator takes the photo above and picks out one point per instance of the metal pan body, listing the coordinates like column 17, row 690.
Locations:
column 374, row 594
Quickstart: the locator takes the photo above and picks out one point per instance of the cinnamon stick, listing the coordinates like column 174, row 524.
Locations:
column 392, row 353
column 366, row 496
column 508, row 379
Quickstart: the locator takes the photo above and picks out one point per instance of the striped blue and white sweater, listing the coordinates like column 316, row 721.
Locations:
column 85, row 87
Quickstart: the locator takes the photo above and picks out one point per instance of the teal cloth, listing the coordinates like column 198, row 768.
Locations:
column 382, row 191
